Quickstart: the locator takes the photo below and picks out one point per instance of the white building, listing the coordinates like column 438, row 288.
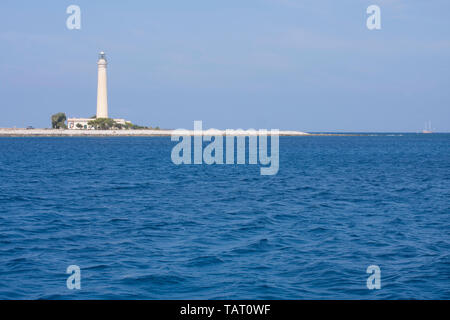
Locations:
column 102, row 99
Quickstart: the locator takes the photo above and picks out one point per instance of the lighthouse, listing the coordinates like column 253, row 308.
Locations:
column 102, row 100
column 102, row 91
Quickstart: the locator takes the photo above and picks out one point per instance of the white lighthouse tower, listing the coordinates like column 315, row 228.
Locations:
column 102, row 100
column 102, row 91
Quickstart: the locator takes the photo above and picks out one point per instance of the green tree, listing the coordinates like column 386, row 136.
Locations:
column 108, row 124
column 59, row 120
column 103, row 124
column 129, row 125
column 79, row 126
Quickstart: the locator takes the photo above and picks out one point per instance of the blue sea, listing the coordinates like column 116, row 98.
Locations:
column 141, row 227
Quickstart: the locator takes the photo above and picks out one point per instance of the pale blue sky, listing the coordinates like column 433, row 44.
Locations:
column 308, row 65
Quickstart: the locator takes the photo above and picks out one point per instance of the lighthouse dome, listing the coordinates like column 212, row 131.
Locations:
column 102, row 59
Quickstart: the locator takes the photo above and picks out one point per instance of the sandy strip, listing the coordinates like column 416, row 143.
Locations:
column 9, row 132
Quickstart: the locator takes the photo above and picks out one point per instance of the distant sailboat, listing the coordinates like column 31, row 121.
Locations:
column 427, row 128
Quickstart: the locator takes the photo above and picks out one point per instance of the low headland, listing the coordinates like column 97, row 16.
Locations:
column 107, row 127
column 23, row 132
column 44, row 132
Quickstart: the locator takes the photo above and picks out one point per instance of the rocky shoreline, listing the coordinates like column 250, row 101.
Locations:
column 122, row 133
column 10, row 132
